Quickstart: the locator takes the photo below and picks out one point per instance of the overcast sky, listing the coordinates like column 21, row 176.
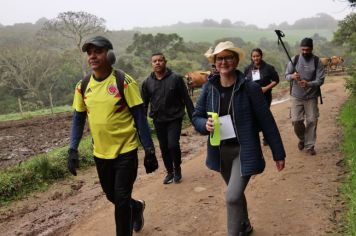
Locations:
column 127, row 14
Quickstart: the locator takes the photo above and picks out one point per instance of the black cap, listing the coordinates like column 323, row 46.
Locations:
column 98, row 41
column 306, row 42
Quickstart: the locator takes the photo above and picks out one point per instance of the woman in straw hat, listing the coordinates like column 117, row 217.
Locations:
column 242, row 111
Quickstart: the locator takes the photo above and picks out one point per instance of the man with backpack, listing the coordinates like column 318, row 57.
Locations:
column 306, row 75
column 111, row 100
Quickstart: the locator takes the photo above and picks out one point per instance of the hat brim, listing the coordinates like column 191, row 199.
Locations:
column 97, row 44
column 234, row 49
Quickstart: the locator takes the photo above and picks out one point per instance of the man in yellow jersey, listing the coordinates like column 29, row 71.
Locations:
column 117, row 123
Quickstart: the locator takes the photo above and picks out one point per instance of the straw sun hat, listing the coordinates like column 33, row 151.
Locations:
column 227, row 45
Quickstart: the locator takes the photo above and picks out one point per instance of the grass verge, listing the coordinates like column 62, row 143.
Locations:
column 30, row 114
column 39, row 172
column 348, row 120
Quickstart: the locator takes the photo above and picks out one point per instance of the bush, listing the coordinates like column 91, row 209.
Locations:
column 348, row 120
column 351, row 84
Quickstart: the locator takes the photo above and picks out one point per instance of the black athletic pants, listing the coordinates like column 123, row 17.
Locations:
column 168, row 134
column 117, row 177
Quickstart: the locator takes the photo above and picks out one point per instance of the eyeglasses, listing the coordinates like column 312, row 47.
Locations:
column 227, row 59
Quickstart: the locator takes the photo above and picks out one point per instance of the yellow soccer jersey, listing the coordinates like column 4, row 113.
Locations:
column 111, row 124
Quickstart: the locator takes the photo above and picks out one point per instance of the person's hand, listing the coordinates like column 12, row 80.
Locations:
column 303, row 83
column 264, row 89
column 73, row 161
column 150, row 161
column 296, row 76
column 209, row 124
column 280, row 165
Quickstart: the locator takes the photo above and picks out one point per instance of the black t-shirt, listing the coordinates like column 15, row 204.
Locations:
column 225, row 99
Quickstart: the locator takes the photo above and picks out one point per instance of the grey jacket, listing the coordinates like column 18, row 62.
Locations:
column 306, row 69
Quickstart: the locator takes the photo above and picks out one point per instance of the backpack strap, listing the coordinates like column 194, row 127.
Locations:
column 120, row 77
column 316, row 63
column 84, row 84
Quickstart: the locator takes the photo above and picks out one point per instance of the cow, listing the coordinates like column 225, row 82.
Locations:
column 335, row 62
column 325, row 61
column 196, row 79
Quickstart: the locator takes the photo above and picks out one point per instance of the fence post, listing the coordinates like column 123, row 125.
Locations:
column 51, row 103
column 20, row 106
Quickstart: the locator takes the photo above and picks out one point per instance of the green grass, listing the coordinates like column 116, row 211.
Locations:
column 348, row 120
column 39, row 172
column 210, row 34
column 30, row 114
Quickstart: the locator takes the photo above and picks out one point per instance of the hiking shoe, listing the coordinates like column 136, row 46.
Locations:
column 139, row 220
column 177, row 175
column 168, row 179
column 246, row 229
column 311, row 151
column 301, row 145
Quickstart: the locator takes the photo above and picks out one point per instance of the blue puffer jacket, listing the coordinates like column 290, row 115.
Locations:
column 250, row 115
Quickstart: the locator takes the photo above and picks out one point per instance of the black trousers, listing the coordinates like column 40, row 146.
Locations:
column 168, row 134
column 117, row 177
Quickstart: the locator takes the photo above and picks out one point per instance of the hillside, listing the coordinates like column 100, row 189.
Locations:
column 210, row 34
column 206, row 31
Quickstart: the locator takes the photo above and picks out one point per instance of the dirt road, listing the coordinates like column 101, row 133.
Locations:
column 303, row 199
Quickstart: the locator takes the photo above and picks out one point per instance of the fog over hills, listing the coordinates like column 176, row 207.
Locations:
column 320, row 21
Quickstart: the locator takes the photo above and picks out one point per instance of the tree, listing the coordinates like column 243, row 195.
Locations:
column 346, row 32
column 210, row 23
column 28, row 71
column 226, row 23
column 346, row 36
column 75, row 27
column 352, row 3
column 144, row 45
column 321, row 21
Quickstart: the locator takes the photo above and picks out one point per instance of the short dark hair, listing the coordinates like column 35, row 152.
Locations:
column 307, row 42
column 158, row 54
column 258, row 50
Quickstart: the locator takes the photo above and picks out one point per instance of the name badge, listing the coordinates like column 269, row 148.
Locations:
column 256, row 75
column 227, row 130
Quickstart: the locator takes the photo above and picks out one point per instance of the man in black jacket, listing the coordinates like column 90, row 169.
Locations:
column 167, row 95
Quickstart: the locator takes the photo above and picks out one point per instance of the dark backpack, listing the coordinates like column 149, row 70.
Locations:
column 119, row 75
column 316, row 62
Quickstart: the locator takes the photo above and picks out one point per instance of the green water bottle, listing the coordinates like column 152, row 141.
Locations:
column 215, row 134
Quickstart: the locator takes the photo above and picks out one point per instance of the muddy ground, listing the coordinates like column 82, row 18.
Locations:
column 303, row 199
column 22, row 139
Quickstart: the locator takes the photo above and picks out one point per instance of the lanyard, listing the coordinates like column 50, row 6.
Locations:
column 232, row 94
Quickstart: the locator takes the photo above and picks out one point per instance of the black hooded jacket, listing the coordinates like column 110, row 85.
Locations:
column 167, row 97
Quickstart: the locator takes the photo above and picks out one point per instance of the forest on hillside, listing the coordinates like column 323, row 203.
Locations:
column 42, row 62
